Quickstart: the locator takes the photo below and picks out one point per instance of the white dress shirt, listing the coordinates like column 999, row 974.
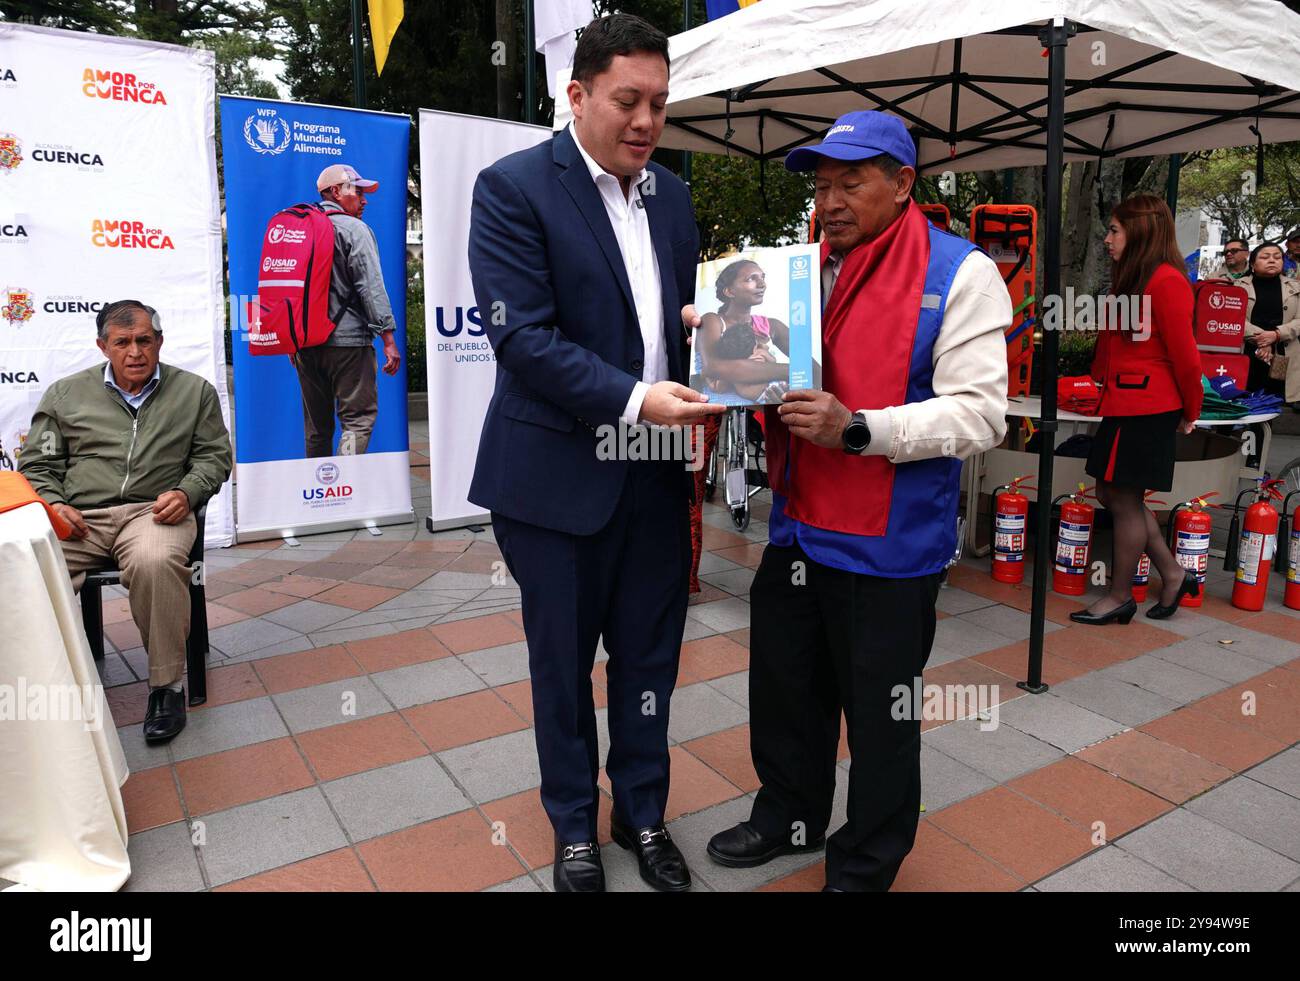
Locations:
column 631, row 224
column 138, row 399
column 967, row 414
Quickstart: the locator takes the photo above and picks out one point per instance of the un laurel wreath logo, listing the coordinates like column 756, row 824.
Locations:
column 266, row 135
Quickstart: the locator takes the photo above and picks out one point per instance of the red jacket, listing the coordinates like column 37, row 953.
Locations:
column 1162, row 372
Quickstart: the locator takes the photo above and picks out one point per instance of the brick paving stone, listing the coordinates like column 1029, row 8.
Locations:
column 1111, row 869
column 389, row 798
column 1208, row 856
column 1161, row 768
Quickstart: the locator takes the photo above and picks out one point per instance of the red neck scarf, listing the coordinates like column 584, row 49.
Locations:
column 868, row 328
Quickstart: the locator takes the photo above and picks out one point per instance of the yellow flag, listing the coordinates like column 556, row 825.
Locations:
column 385, row 15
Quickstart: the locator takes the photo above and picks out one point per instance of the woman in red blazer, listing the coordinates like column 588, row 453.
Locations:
column 1150, row 374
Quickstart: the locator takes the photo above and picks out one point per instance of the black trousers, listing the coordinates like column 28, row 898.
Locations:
column 825, row 641
column 626, row 584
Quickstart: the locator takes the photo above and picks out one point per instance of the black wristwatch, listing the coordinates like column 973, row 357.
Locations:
column 856, row 435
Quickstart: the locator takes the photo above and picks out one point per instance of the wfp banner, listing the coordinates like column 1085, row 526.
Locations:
column 108, row 191
column 462, row 370
column 320, row 435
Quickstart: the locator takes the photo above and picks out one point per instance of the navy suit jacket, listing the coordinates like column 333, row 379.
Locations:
column 554, row 297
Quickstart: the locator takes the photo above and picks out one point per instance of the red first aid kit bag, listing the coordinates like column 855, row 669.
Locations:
column 1235, row 366
column 1078, row 393
column 1219, row 316
column 291, row 310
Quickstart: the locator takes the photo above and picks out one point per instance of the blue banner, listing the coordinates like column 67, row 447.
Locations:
column 273, row 154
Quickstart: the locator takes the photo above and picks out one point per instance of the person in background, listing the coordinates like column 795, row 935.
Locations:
column 126, row 453
column 1235, row 265
column 1150, row 374
column 709, row 434
column 339, row 375
column 1272, row 322
column 1291, row 260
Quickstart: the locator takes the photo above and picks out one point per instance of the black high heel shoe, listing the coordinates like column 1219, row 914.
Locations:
column 1189, row 587
column 1122, row 613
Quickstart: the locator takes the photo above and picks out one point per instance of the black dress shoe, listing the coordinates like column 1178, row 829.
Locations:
column 578, row 868
column 660, row 861
column 1123, row 613
column 166, row 715
column 1188, row 587
column 742, row 847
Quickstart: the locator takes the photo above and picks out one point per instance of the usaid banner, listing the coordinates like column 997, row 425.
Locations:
column 273, row 153
column 462, row 368
column 108, row 191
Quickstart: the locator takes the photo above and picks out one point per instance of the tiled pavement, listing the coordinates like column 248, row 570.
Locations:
column 368, row 727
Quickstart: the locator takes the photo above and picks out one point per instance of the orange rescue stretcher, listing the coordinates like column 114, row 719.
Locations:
column 1009, row 234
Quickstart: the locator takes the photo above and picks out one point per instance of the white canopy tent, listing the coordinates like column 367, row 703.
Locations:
column 1142, row 77
column 988, row 84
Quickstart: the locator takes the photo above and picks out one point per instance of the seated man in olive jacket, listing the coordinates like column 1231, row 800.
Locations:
column 126, row 452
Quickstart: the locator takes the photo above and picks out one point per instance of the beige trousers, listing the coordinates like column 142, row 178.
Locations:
column 154, row 562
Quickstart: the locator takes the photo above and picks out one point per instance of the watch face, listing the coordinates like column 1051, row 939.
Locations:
column 857, row 435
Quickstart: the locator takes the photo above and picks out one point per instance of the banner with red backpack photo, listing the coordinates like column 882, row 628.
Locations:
column 316, row 232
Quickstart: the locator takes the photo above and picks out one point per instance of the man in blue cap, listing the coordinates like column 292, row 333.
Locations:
column 865, row 477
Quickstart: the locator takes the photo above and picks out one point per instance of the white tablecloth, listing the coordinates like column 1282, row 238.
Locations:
column 1032, row 407
column 62, row 823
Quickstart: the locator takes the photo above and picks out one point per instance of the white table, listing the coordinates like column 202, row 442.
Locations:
column 1031, row 407
column 62, row 822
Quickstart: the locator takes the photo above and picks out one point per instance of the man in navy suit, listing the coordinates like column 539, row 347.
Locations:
column 583, row 255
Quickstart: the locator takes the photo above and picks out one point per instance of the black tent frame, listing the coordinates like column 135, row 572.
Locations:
column 1020, row 127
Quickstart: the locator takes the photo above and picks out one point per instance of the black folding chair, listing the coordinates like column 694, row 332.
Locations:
column 196, row 644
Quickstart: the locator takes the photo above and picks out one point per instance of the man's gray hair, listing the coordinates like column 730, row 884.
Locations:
column 122, row 313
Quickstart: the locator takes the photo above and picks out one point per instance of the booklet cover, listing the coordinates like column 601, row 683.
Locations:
column 761, row 332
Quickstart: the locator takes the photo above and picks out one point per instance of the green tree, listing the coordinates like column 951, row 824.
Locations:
column 1224, row 184
column 740, row 203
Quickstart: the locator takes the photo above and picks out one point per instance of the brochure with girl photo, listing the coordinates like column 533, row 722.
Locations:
column 760, row 334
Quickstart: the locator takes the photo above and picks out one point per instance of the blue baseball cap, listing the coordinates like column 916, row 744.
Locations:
column 1226, row 388
column 857, row 136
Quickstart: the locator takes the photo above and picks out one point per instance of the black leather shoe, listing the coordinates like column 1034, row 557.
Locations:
column 165, row 717
column 660, row 861
column 1123, row 613
column 1188, row 587
column 578, row 868
column 742, row 847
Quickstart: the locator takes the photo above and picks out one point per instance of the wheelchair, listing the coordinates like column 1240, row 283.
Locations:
column 738, row 462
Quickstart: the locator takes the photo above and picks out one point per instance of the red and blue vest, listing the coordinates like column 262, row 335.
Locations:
column 865, row 514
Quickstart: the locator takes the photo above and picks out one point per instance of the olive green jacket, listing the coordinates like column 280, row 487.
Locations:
column 85, row 448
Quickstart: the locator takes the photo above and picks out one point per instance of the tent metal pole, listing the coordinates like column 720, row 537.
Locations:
column 530, row 65
column 1054, row 37
column 1171, row 186
column 686, row 154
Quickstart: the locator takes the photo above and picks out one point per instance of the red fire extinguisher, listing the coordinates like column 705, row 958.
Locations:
column 1073, row 542
column 1190, row 525
column 1255, row 549
column 1143, row 574
column 1288, row 550
column 1010, row 518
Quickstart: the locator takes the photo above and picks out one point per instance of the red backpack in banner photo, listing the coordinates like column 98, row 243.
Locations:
column 1219, row 316
column 291, row 309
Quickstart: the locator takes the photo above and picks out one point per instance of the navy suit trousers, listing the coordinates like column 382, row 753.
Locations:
column 625, row 586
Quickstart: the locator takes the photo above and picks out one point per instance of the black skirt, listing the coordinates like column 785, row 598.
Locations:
column 1135, row 451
